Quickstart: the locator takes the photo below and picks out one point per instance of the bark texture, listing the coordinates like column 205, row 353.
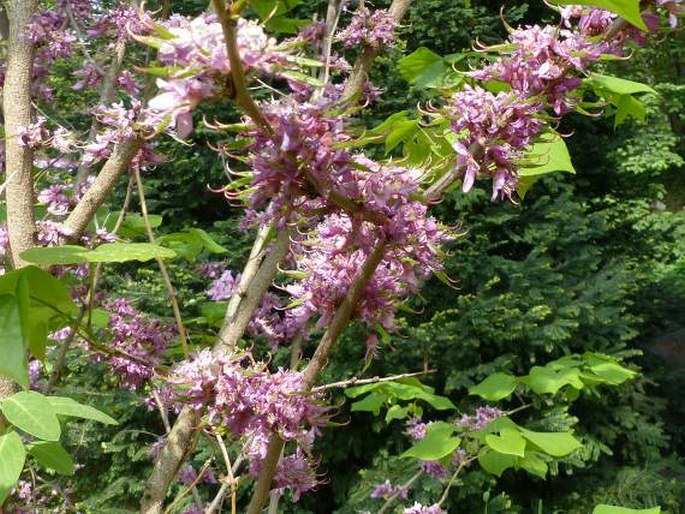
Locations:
column 17, row 112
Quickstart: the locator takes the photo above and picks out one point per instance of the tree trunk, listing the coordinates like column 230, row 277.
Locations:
column 17, row 111
column 18, row 159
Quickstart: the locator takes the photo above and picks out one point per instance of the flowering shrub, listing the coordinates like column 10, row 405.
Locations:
column 351, row 234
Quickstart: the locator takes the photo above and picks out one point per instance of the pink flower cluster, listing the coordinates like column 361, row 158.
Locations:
column 493, row 131
column 138, row 343
column 302, row 174
column 480, row 419
column 418, row 508
column 297, row 166
column 369, row 28
column 386, row 489
column 331, row 256
column 252, row 403
column 195, row 53
column 61, row 198
column 546, row 62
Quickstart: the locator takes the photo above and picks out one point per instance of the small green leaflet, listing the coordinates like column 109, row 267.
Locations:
column 12, row 457
column 556, row 444
column 13, row 363
column 617, row 85
column 547, row 155
column 439, row 442
column 496, row 387
column 626, row 9
column 110, row 252
column 495, row 462
column 52, row 456
column 32, row 412
column 422, row 68
column 609, row 509
column 64, row 406
column 509, row 441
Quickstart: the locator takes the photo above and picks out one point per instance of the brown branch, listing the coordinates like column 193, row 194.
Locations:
column 117, row 164
column 316, row 364
column 354, row 381
column 355, row 82
column 332, row 18
column 168, row 464
column 242, row 96
column 16, row 110
column 107, row 95
column 235, row 325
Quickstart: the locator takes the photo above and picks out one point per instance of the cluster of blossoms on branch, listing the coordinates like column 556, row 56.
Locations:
column 417, row 429
column 237, row 394
column 375, row 29
column 542, row 68
column 137, row 343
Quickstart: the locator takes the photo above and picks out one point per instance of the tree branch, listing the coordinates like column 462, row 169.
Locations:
column 242, row 96
column 355, row 82
column 17, row 111
column 354, row 381
column 168, row 464
column 18, row 159
column 316, row 364
column 247, row 298
column 117, row 164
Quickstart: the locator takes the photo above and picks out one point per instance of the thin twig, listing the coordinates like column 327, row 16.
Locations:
column 232, row 482
column 452, row 479
column 373, row 380
column 242, row 95
column 188, row 489
column 162, row 267
column 396, row 494
column 162, row 411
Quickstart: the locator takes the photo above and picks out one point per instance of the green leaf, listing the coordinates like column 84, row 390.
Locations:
column 509, row 441
column 496, row 463
column 44, row 290
column 544, row 380
column 210, row 244
column 110, row 252
column 303, row 78
column 266, row 8
column 534, row 464
column 626, row 9
column 64, row 406
column 401, row 132
column 556, row 444
column 396, row 412
column 608, row 369
column 12, row 457
column 32, row 413
column 13, row 363
column 629, row 106
column 52, row 456
column 439, row 442
column 548, row 155
column 495, row 387
column 422, row 68
column 134, row 224
column 214, row 313
column 617, row 85
column 371, row 403
column 610, row 509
